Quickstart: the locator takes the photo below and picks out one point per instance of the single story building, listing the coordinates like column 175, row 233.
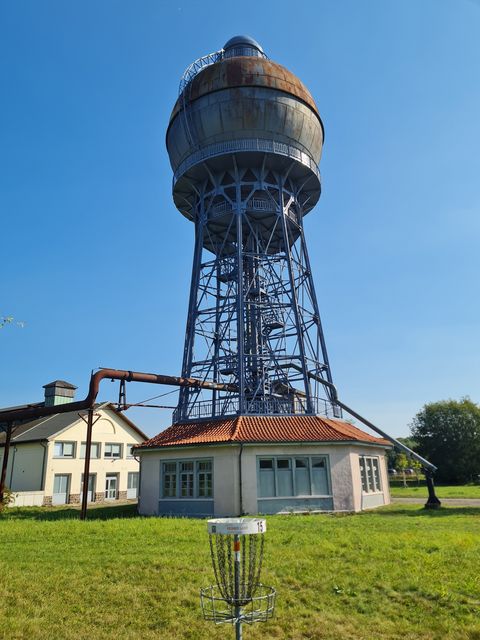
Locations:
column 262, row 465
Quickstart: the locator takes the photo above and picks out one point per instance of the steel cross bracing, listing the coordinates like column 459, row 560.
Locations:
column 253, row 316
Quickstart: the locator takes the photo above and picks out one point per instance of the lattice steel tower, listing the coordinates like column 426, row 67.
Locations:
column 244, row 140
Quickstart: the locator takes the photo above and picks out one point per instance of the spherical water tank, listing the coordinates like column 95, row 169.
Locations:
column 243, row 104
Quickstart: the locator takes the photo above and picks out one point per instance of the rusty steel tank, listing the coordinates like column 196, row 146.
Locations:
column 236, row 106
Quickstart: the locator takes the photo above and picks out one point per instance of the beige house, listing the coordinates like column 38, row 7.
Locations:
column 262, row 464
column 47, row 455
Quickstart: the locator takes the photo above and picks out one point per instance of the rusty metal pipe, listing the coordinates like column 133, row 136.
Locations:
column 34, row 412
column 31, row 413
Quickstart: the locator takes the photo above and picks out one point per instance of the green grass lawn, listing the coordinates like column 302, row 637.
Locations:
column 399, row 572
column 414, row 491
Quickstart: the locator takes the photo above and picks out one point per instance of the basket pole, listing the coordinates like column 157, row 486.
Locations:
column 236, row 566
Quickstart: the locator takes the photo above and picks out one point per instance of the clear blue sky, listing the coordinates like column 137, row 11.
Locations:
column 96, row 260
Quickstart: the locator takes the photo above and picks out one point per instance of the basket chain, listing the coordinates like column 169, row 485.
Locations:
column 222, row 560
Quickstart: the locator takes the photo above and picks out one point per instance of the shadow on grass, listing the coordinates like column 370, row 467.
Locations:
column 413, row 512
column 69, row 513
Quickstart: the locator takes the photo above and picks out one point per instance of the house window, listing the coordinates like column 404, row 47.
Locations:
column 187, row 479
column 61, row 489
column 204, row 478
column 132, row 485
column 302, row 476
column 370, row 474
column 64, row 450
column 94, row 450
column 169, row 479
column 283, row 476
column 129, row 451
column 112, row 450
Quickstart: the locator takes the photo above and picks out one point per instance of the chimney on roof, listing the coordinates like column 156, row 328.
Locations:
column 58, row 392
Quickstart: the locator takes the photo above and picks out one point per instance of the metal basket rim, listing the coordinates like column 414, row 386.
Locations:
column 268, row 592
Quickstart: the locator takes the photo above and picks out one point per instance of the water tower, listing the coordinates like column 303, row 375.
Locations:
column 245, row 140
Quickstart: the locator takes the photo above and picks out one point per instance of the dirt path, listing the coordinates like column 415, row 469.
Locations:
column 459, row 502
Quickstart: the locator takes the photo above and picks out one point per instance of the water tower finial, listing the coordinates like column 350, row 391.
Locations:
column 242, row 46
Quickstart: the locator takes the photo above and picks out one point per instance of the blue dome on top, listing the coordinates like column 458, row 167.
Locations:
column 242, row 41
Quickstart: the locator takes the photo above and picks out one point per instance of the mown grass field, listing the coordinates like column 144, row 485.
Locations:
column 414, row 491
column 400, row 572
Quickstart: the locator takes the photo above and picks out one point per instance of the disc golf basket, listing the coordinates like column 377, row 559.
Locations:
column 236, row 546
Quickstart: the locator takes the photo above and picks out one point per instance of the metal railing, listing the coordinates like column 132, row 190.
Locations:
column 196, row 66
column 230, row 406
column 205, row 61
column 254, row 204
column 247, row 144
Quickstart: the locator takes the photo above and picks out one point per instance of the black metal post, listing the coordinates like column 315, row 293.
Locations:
column 433, row 502
column 6, row 452
column 86, row 470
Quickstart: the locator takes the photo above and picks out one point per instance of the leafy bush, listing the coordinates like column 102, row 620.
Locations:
column 8, row 498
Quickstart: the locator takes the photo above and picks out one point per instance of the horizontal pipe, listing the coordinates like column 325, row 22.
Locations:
column 33, row 412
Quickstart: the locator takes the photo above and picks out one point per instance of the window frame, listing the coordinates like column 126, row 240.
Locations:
column 136, row 475
column 63, row 443
column 175, row 479
column 83, row 445
column 366, row 463
column 110, row 457
column 128, row 448
column 292, row 467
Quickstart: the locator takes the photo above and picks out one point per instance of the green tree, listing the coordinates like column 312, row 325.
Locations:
column 448, row 434
column 402, row 464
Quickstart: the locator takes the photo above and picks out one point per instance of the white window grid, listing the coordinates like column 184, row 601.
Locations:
column 95, row 450
column 64, row 449
column 370, row 474
column 187, row 479
column 323, row 459
column 112, row 450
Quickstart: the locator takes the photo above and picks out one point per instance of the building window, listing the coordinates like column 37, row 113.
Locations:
column 94, row 450
column 169, row 479
column 187, row 479
column 370, row 474
column 129, row 451
column 112, row 450
column 204, row 478
column 64, row 450
column 61, row 489
column 111, row 486
column 132, row 485
column 293, row 476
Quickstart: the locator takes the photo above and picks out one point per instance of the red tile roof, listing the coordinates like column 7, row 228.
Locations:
column 261, row 429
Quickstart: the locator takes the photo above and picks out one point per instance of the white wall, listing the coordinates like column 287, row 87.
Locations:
column 225, row 476
column 109, row 428
column 27, row 499
column 27, row 461
column 340, row 470
column 343, row 461
column 149, row 482
column 383, row 497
